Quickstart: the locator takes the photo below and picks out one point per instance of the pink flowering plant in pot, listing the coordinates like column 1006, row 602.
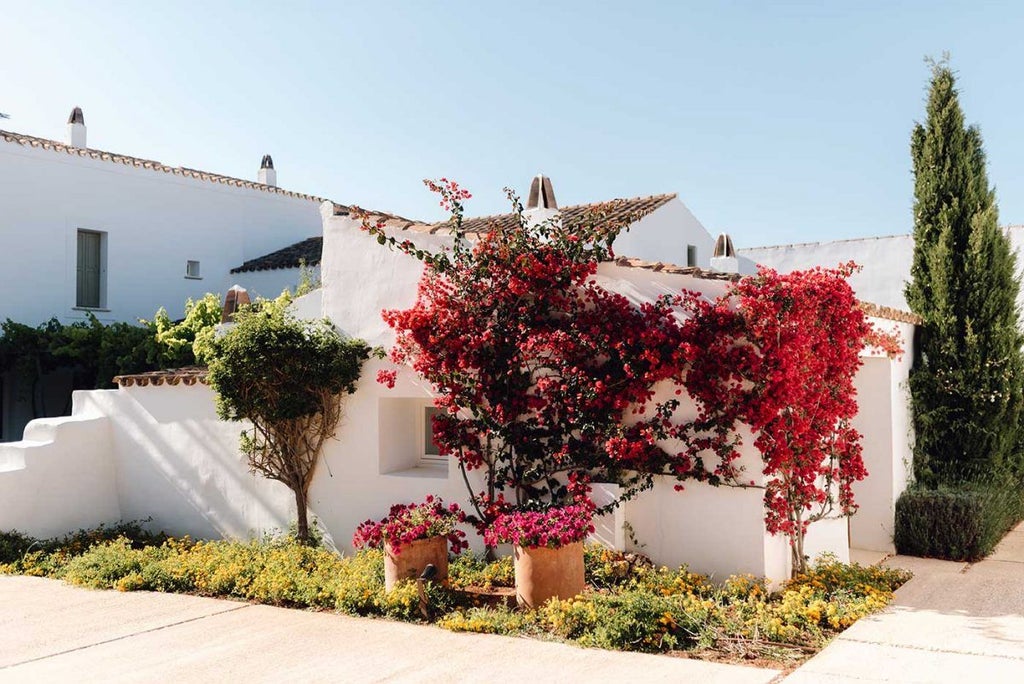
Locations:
column 407, row 523
column 554, row 528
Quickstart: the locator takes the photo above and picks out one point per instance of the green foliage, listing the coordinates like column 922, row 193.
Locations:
column 287, row 378
column 13, row 545
column 96, row 353
column 271, row 367
column 492, row 620
column 962, row 523
column 968, row 380
column 26, row 555
column 474, row 570
column 174, row 340
column 308, row 279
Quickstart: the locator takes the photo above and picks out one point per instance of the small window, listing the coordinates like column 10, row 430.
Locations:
column 430, row 452
column 691, row 255
column 91, row 270
column 192, row 269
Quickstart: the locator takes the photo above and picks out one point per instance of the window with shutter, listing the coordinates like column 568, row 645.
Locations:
column 90, row 269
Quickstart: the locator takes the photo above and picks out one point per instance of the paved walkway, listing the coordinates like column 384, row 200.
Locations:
column 953, row 622
column 51, row 632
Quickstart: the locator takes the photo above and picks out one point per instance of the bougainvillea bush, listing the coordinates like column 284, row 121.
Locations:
column 407, row 523
column 779, row 353
column 547, row 379
column 535, row 365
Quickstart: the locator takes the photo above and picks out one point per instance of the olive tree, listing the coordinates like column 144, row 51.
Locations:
column 288, row 378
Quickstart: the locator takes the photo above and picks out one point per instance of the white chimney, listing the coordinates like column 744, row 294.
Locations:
column 268, row 176
column 541, row 205
column 724, row 259
column 76, row 128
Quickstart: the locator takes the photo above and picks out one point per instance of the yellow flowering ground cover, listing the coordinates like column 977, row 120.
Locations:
column 629, row 605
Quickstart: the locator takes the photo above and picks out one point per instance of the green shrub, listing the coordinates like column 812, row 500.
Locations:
column 14, row 545
column 25, row 555
column 473, row 570
column 632, row 620
column 955, row 523
column 491, row 620
column 102, row 565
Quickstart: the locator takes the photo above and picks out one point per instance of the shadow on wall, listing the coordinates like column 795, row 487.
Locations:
column 177, row 462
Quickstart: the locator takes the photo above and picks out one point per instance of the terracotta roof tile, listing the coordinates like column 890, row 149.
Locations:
column 664, row 267
column 614, row 211
column 32, row 141
column 887, row 312
column 308, row 251
column 190, row 375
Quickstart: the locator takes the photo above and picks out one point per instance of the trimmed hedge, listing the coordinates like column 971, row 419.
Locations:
column 955, row 523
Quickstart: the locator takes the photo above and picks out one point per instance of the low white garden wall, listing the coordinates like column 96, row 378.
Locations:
column 60, row 477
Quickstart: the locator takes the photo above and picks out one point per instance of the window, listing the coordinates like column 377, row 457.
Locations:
column 691, row 255
column 92, row 270
column 406, row 435
column 192, row 270
column 430, row 452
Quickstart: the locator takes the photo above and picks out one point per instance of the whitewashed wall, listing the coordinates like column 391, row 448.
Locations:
column 887, row 430
column 885, row 260
column 60, row 478
column 155, row 222
column 664, row 234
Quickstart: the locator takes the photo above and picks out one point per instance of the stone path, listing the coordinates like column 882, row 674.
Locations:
column 953, row 622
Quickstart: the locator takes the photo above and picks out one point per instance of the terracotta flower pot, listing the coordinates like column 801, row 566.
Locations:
column 406, row 562
column 543, row 573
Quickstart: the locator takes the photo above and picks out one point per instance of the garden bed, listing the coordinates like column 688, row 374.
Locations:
column 629, row 603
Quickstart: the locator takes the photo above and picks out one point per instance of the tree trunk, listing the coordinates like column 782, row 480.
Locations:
column 302, row 531
column 797, row 545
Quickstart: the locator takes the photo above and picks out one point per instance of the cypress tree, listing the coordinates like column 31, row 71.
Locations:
column 967, row 380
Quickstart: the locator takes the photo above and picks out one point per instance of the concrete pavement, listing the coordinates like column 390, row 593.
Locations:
column 952, row 622
column 51, row 632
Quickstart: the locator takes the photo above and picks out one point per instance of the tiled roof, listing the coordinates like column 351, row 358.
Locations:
column 612, row 212
column 189, row 375
column 879, row 311
column 664, row 267
column 32, row 141
column 306, row 252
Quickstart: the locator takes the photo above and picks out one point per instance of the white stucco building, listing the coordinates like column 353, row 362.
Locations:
column 121, row 236
column 154, row 447
column 89, row 231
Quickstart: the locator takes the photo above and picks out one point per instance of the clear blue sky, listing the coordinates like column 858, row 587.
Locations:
column 776, row 122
